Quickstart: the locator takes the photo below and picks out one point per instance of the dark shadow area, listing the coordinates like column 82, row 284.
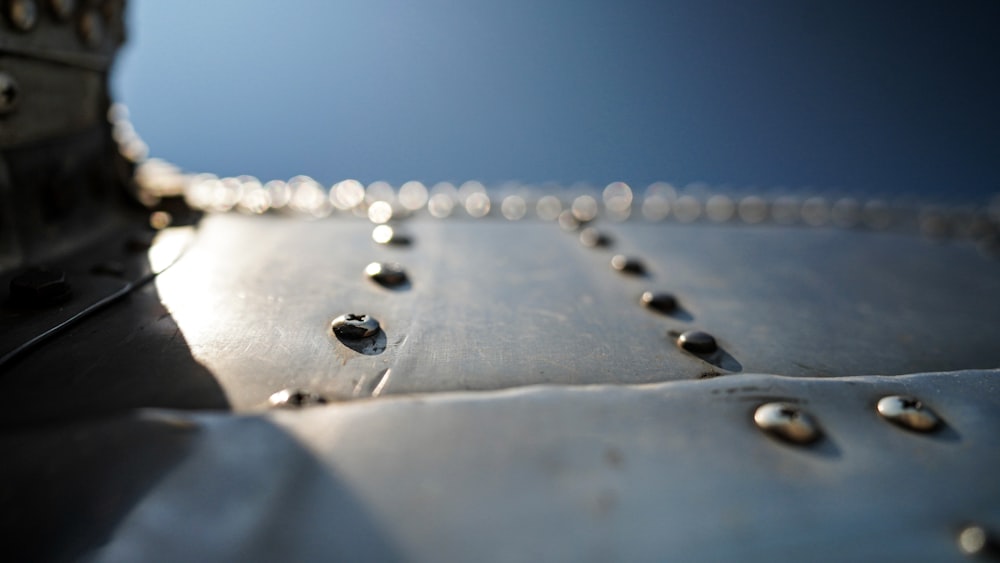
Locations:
column 719, row 358
column 398, row 286
column 722, row 359
column 121, row 488
column 128, row 353
column 75, row 485
column 681, row 314
column 371, row 346
column 944, row 433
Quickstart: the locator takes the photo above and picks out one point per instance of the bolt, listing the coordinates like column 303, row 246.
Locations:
column 290, row 398
column 40, row 287
column 23, row 14
column 386, row 274
column 908, row 412
column 10, row 93
column 661, row 302
column 62, row 9
column 353, row 326
column 592, row 238
column 628, row 265
column 697, row 342
column 91, row 29
column 786, row 422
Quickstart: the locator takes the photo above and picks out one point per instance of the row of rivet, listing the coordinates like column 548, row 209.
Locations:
column 791, row 424
column 23, row 16
column 380, row 203
column 696, row 342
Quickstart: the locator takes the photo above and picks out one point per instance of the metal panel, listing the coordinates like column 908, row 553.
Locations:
column 494, row 304
column 670, row 471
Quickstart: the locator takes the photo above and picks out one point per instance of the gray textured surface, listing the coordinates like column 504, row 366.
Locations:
column 494, row 304
column 672, row 471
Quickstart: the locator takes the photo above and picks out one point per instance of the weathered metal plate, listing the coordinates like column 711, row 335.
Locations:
column 493, row 304
column 670, row 471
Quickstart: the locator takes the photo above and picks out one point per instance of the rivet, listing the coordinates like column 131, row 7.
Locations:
column 62, row 9
column 697, row 342
column 40, row 286
column 353, row 326
column 159, row 220
column 661, row 302
column 384, row 234
column 291, row 398
column 10, row 93
column 908, row 412
column 91, row 28
column 387, row 274
column 567, row 221
column 974, row 540
column 627, row 265
column 23, row 14
column 786, row 422
column 591, row 237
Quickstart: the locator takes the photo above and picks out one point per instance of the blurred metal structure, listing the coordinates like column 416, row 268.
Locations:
column 456, row 373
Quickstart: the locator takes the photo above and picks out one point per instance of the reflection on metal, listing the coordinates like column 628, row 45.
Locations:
column 22, row 14
column 628, row 265
column 387, row 274
column 593, row 238
column 697, row 342
column 289, row 398
column 908, row 412
column 973, row 540
column 787, row 422
column 658, row 301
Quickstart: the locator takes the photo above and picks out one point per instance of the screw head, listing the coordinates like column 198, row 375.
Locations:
column 10, row 93
column 593, row 238
column 23, row 14
column 293, row 398
column 387, row 274
column 40, row 286
column 786, row 422
column 697, row 342
column 908, row 412
column 354, row 326
column 660, row 302
column 627, row 265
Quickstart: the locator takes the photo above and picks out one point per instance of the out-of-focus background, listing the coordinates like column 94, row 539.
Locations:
column 869, row 98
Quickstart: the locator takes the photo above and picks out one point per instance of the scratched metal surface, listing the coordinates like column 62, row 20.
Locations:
column 670, row 471
column 493, row 304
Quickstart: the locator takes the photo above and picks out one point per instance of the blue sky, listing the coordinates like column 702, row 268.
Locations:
column 858, row 97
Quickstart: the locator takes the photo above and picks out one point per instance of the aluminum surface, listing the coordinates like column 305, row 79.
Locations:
column 494, row 305
column 671, row 471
